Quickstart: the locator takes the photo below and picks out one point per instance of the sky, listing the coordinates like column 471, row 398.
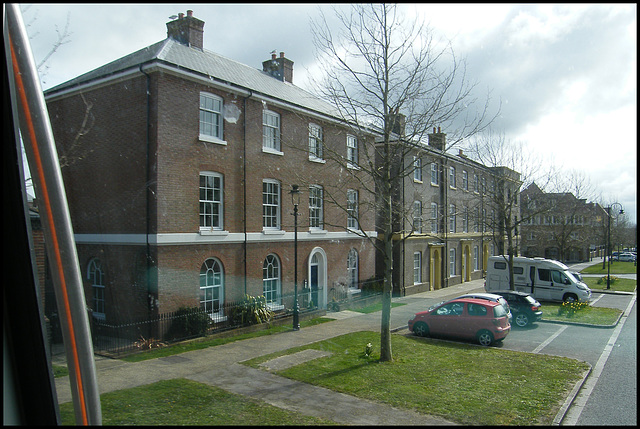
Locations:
column 565, row 75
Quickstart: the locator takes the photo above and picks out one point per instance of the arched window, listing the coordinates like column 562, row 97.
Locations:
column 271, row 280
column 352, row 269
column 95, row 275
column 212, row 286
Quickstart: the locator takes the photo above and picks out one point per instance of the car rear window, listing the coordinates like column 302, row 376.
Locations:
column 499, row 311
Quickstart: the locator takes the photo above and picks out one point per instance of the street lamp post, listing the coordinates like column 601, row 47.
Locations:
column 609, row 241
column 295, row 199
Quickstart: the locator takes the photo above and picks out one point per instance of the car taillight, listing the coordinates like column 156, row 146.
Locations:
column 535, row 308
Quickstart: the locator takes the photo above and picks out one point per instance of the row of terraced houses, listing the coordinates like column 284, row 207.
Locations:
column 178, row 165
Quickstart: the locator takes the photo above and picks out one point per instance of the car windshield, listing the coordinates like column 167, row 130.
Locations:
column 572, row 277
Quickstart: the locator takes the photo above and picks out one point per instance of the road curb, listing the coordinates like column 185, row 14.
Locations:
column 572, row 396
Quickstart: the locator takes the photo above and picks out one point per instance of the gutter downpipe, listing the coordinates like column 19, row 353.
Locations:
column 147, row 197
column 244, row 183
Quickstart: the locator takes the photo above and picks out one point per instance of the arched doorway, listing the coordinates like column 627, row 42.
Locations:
column 435, row 267
column 466, row 263
column 317, row 276
column 485, row 257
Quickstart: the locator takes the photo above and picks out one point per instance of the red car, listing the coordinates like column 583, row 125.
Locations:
column 469, row 318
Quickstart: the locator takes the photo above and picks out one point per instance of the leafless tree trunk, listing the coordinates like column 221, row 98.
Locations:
column 379, row 69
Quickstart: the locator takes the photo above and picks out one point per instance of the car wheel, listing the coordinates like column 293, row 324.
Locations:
column 421, row 329
column 485, row 338
column 522, row 320
column 570, row 298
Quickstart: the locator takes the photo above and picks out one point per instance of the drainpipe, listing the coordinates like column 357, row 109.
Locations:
column 244, row 184
column 148, row 191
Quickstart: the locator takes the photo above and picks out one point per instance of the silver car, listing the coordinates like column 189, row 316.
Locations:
column 490, row 297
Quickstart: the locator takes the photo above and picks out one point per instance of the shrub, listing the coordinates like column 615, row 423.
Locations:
column 189, row 322
column 603, row 280
column 251, row 310
column 570, row 308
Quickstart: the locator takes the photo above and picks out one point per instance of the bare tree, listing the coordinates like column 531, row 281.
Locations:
column 514, row 167
column 62, row 37
column 391, row 83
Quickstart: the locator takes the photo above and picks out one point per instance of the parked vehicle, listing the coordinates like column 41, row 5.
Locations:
column 544, row 279
column 490, row 297
column 627, row 257
column 525, row 308
column 577, row 275
column 469, row 318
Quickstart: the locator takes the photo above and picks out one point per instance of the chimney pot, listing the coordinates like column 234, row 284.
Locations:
column 273, row 56
column 281, row 54
column 189, row 31
column 438, row 129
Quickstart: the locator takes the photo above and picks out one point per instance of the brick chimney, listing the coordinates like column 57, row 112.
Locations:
column 437, row 139
column 187, row 30
column 280, row 68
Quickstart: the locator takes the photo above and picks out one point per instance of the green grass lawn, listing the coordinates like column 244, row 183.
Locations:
column 460, row 382
column 602, row 316
column 186, row 402
column 617, row 284
column 616, row 268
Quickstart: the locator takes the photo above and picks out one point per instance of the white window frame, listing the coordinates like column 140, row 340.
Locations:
column 417, row 169
column 95, row 275
column 452, row 177
column 476, row 258
column 352, row 210
column 211, row 118
column 352, row 152
column 417, row 268
column 212, row 288
column 211, row 201
column 452, row 218
column 465, row 180
column 315, row 142
column 452, row 262
column 316, row 207
column 417, row 217
column 476, row 183
column 352, row 269
column 434, row 174
column 271, row 198
column 272, row 281
column 271, row 132
column 434, row 218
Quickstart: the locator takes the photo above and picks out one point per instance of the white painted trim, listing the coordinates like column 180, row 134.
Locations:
column 224, row 238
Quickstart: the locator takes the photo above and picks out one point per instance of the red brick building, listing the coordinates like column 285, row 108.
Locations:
column 178, row 164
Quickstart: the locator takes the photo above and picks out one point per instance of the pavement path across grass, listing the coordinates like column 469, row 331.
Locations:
column 219, row 366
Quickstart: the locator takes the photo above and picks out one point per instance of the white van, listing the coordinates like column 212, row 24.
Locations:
column 544, row 279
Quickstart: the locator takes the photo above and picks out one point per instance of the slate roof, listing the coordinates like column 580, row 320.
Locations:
column 172, row 53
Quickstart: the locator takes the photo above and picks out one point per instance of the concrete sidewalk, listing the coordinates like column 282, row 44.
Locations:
column 219, row 366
